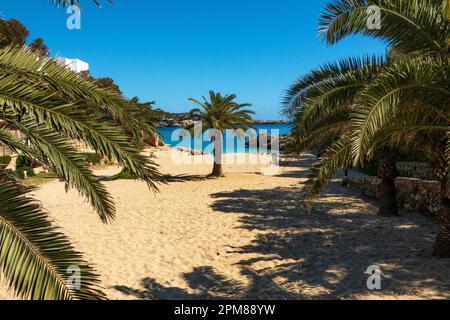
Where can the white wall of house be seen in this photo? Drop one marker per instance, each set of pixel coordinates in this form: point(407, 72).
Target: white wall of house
point(75, 65)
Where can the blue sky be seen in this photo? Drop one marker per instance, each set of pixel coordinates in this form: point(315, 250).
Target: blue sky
point(171, 50)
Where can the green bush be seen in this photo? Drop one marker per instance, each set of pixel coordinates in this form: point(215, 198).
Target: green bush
point(23, 162)
point(125, 175)
point(5, 160)
point(94, 159)
point(20, 172)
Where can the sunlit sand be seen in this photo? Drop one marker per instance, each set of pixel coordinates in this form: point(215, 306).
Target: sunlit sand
point(245, 236)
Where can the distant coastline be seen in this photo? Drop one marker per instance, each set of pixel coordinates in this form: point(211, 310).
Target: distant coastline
point(186, 123)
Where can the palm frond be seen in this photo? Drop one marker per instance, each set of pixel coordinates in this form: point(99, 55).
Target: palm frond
point(404, 81)
point(406, 25)
point(24, 91)
point(222, 113)
point(35, 257)
point(11, 141)
point(69, 166)
point(55, 80)
point(338, 155)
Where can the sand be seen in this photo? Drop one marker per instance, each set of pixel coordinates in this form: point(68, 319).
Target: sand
point(245, 236)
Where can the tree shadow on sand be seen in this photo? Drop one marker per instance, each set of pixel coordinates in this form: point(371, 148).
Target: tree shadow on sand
point(322, 255)
point(325, 254)
point(182, 178)
point(205, 284)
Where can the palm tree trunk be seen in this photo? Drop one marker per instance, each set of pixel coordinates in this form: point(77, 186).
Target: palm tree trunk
point(442, 244)
point(217, 170)
point(218, 157)
point(387, 192)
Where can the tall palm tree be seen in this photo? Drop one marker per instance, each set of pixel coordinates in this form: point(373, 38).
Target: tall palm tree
point(418, 32)
point(50, 105)
point(219, 114)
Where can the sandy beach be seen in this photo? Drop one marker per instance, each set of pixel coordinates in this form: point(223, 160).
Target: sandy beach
point(244, 236)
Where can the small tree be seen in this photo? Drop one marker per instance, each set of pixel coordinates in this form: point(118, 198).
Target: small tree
point(39, 47)
point(220, 114)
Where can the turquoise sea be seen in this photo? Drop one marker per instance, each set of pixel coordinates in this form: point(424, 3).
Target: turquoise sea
point(173, 136)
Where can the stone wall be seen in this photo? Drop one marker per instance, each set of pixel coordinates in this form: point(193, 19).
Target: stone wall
point(417, 170)
point(413, 195)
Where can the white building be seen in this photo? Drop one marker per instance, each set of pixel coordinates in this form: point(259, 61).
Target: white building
point(75, 65)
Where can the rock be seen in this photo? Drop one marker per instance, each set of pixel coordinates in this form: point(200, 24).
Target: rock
point(266, 141)
point(151, 139)
point(196, 153)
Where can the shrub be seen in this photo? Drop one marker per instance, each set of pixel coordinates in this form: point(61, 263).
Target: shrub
point(23, 162)
point(125, 175)
point(20, 172)
point(5, 160)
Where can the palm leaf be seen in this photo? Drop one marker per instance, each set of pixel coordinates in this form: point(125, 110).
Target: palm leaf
point(70, 167)
point(338, 155)
point(34, 256)
point(407, 25)
point(403, 81)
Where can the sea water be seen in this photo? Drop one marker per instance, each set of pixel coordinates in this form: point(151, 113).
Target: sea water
point(232, 144)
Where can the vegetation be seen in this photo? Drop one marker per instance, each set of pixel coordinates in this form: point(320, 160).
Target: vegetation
point(39, 179)
point(219, 114)
point(24, 172)
point(23, 161)
point(363, 109)
point(38, 46)
point(14, 33)
point(5, 160)
point(24, 167)
point(124, 175)
point(52, 105)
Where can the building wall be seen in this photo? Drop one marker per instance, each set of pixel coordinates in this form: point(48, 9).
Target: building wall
point(75, 65)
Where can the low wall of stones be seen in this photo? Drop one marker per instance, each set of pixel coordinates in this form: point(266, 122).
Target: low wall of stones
point(413, 195)
point(418, 170)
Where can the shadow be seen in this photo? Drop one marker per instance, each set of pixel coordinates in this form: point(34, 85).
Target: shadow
point(205, 284)
point(298, 168)
point(182, 178)
point(322, 255)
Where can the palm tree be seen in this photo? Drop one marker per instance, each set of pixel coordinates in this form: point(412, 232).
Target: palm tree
point(148, 115)
point(430, 136)
point(321, 105)
point(418, 32)
point(219, 114)
point(51, 105)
